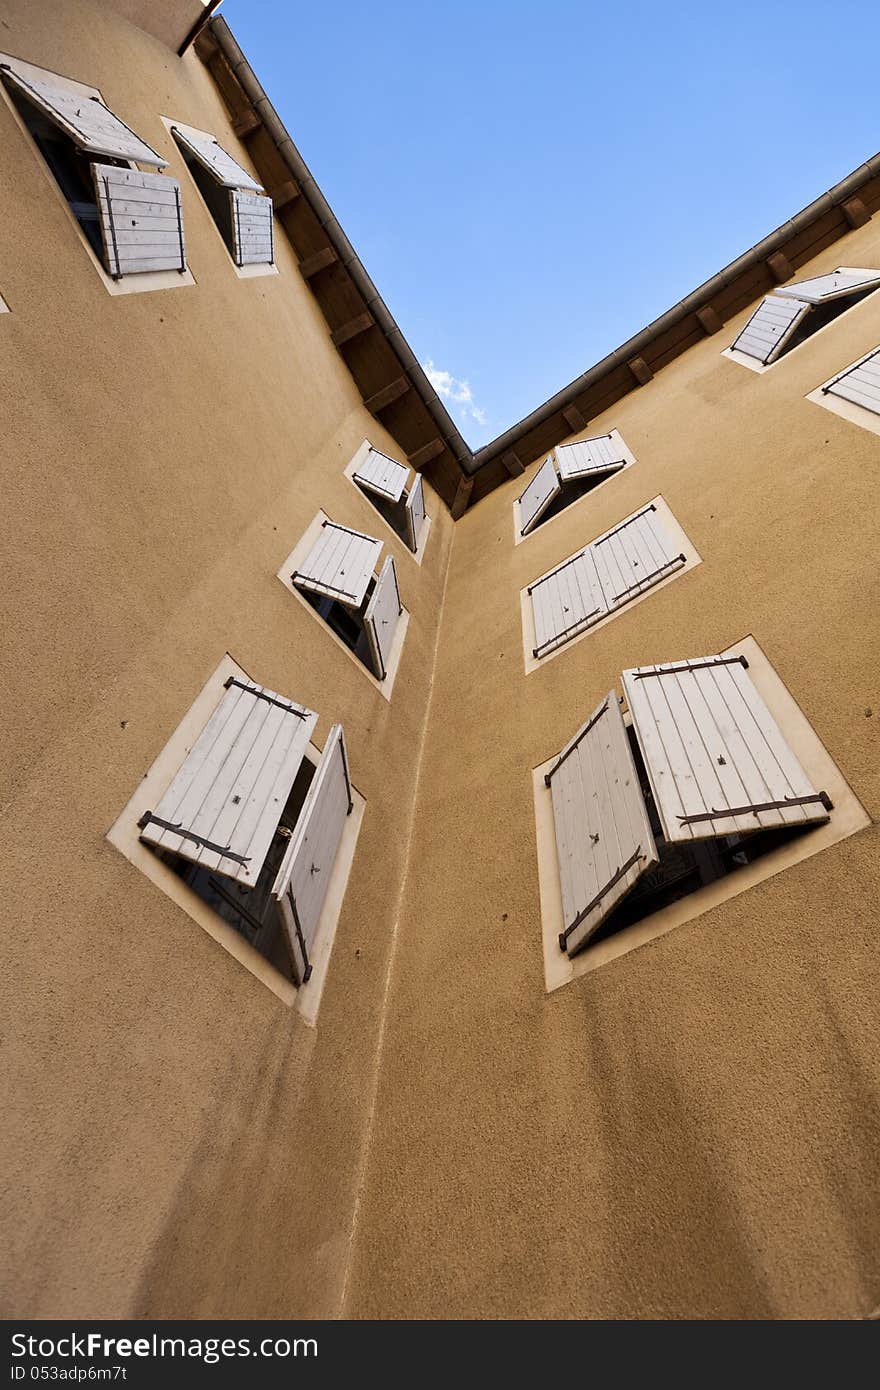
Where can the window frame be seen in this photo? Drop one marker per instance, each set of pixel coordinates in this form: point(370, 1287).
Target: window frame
point(142, 283)
point(541, 526)
point(349, 471)
point(677, 537)
point(296, 556)
point(856, 414)
point(754, 365)
point(124, 835)
point(847, 818)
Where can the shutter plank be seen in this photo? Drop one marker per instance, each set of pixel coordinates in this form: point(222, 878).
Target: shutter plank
point(713, 751)
point(633, 557)
point(382, 475)
point(770, 327)
point(383, 613)
point(232, 786)
point(860, 383)
point(252, 240)
point(588, 457)
point(90, 124)
point(538, 495)
point(130, 248)
point(211, 155)
point(415, 513)
point(603, 835)
point(839, 284)
point(565, 602)
point(340, 565)
point(301, 885)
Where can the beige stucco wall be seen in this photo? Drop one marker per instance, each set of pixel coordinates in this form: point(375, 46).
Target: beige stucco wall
point(175, 1140)
point(691, 1130)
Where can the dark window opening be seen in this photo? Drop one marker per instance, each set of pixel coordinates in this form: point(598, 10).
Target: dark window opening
point(71, 168)
point(392, 512)
point(216, 198)
point(572, 492)
point(252, 911)
point(820, 315)
point(345, 622)
point(684, 868)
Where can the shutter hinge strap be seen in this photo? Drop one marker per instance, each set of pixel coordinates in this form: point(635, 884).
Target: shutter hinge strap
point(585, 912)
point(574, 743)
point(693, 666)
point(759, 806)
point(651, 578)
point(623, 525)
point(261, 695)
point(223, 850)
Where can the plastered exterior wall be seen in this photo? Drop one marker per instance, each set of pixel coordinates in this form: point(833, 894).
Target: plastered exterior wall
point(176, 1141)
point(692, 1129)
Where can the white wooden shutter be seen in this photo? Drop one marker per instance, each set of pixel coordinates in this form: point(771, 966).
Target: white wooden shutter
point(301, 885)
point(383, 476)
point(383, 613)
point(253, 228)
point(633, 556)
point(415, 512)
point(603, 836)
point(339, 565)
point(538, 495)
point(88, 122)
point(212, 156)
point(717, 761)
point(770, 327)
point(224, 804)
point(860, 383)
point(565, 602)
point(840, 283)
point(141, 220)
point(588, 457)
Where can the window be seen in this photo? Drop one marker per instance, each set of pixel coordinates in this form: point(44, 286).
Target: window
point(692, 797)
point(568, 474)
point(251, 827)
point(132, 220)
point(242, 213)
point(795, 312)
point(336, 577)
point(860, 383)
point(384, 482)
point(613, 571)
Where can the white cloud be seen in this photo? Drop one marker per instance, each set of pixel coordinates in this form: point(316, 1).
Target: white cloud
point(456, 393)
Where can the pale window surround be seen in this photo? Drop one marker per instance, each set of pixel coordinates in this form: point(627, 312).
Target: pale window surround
point(762, 342)
point(34, 79)
point(392, 655)
point(236, 183)
point(846, 818)
point(625, 565)
point(604, 456)
point(401, 492)
point(854, 392)
point(126, 836)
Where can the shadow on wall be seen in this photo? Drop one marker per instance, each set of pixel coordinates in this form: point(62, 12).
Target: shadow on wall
point(245, 1194)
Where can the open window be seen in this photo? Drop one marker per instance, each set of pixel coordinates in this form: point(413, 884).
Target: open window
point(337, 578)
point(251, 826)
point(609, 573)
point(566, 475)
point(240, 209)
point(792, 313)
point(386, 483)
point(132, 220)
point(701, 785)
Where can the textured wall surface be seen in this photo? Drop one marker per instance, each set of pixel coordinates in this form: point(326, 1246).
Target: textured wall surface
point(175, 1139)
point(691, 1130)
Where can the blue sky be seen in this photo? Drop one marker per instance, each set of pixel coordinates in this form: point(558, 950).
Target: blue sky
point(530, 183)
